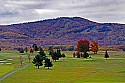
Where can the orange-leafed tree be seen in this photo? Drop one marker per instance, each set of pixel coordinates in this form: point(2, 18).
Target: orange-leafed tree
point(94, 47)
point(83, 46)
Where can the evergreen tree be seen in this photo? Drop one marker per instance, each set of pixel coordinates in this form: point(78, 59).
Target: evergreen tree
point(37, 61)
point(51, 53)
point(48, 63)
point(50, 49)
point(59, 53)
point(85, 55)
point(42, 54)
point(35, 47)
point(26, 49)
point(55, 56)
point(21, 50)
point(106, 55)
point(74, 54)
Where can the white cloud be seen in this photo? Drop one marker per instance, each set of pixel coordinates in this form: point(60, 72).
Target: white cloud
point(15, 11)
point(45, 11)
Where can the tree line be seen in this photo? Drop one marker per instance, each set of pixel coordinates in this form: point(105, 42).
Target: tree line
point(83, 47)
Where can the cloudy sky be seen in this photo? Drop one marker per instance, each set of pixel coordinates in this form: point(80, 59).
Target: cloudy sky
point(19, 11)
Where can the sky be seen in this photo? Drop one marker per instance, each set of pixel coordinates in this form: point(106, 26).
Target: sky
point(102, 11)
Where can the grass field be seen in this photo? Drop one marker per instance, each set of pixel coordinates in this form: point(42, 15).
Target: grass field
point(71, 70)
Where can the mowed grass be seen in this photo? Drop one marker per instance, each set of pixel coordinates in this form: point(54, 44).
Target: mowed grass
point(6, 68)
point(70, 70)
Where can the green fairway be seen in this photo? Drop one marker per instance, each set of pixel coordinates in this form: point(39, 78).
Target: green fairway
point(70, 70)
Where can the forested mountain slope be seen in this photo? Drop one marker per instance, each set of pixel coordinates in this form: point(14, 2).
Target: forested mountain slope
point(63, 30)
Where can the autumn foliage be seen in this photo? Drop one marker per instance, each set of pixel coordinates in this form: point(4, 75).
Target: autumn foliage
point(94, 47)
point(83, 46)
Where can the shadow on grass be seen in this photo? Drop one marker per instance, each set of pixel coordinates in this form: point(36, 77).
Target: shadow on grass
point(121, 72)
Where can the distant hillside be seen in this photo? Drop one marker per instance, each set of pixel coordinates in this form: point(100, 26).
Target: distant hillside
point(61, 31)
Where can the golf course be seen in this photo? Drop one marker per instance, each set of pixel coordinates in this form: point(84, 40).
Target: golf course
point(65, 70)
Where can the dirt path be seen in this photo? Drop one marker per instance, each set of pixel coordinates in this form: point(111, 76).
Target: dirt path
point(26, 65)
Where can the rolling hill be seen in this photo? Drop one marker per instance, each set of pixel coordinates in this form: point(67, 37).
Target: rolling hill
point(61, 31)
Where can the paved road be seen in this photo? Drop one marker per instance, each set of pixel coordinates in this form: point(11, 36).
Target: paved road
point(26, 65)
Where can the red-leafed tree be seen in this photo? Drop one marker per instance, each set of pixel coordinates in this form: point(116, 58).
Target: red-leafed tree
point(94, 47)
point(83, 46)
point(19, 49)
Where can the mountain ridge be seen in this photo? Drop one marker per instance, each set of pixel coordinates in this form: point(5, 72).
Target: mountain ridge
point(63, 30)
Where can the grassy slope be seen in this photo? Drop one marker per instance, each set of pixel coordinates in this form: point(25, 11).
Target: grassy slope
point(72, 70)
point(6, 68)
